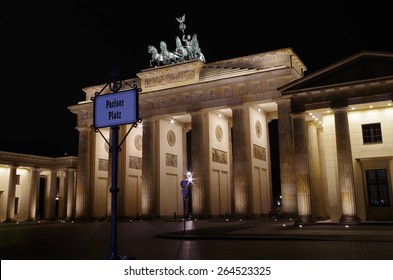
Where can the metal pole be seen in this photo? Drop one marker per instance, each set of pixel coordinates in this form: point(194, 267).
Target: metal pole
point(114, 190)
point(184, 214)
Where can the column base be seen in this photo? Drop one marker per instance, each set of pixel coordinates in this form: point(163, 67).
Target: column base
point(82, 219)
point(289, 215)
point(305, 220)
point(349, 219)
point(9, 221)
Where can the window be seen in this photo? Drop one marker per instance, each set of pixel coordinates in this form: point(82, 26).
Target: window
point(377, 188)
point(16, 205)
point(372, 133)
point(17, 179)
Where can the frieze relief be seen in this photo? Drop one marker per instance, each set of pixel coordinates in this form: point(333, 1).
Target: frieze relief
point(219, 156)
point(228, 93)
point(259, 152)
point(102, 164)
point(135, 162)
point(170, 160)
point(214, 94)
point(259, 61)
point(197, 97)
point(172, 101)
point(170, 78)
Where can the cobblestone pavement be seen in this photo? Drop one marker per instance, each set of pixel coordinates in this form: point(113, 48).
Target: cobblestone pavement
point(254, 239)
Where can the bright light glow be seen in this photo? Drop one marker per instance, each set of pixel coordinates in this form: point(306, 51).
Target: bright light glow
point(172, 121)
point(189, 176)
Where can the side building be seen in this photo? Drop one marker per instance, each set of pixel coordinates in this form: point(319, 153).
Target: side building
point(34, 188)
point(336, 141)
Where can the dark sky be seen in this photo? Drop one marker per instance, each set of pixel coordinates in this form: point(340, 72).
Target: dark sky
point(51, 50)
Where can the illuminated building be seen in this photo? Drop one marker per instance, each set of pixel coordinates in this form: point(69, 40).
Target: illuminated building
point(335, 139)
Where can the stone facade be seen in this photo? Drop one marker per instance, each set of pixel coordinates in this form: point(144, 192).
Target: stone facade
point(209, 119)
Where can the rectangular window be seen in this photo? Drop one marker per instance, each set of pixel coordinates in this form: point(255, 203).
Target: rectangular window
point(377, 188)
point(17, 179)
point(372, 133)
point(16, 205)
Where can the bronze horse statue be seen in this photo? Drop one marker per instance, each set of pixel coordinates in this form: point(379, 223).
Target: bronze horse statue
point(191, 51)
point(156, 57)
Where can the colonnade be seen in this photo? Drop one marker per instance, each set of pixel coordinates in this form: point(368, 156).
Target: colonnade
point(303, 168)
point(33, 193)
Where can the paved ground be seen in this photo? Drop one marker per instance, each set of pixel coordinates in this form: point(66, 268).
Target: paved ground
point(253, 239)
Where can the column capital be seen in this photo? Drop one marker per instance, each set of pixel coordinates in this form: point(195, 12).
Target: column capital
point(198, 112)
point(283, 101)
point(339, 104)
point(239, 107)
point(84, 128)
point(298, 115)
point(313, 122)
point(340, 109)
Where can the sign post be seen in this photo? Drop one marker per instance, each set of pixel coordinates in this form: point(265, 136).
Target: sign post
point(114, 191)
point(116, 108)
point(112, 110)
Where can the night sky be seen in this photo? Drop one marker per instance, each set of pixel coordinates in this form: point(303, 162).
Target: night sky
point(50, 51)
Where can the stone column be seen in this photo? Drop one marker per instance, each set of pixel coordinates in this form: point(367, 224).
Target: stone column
point(316, 186)
point(150, 174)
point(199, 163)
point(230, 162)
point(287, 159)
point(70, 184)
point(302, 171)
point(10, 214)
point(242, 176)
point(345, 167)
point(83, 174)
point(61, 196)
point(51, 198)
point(322, 160)
point(33, 194)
